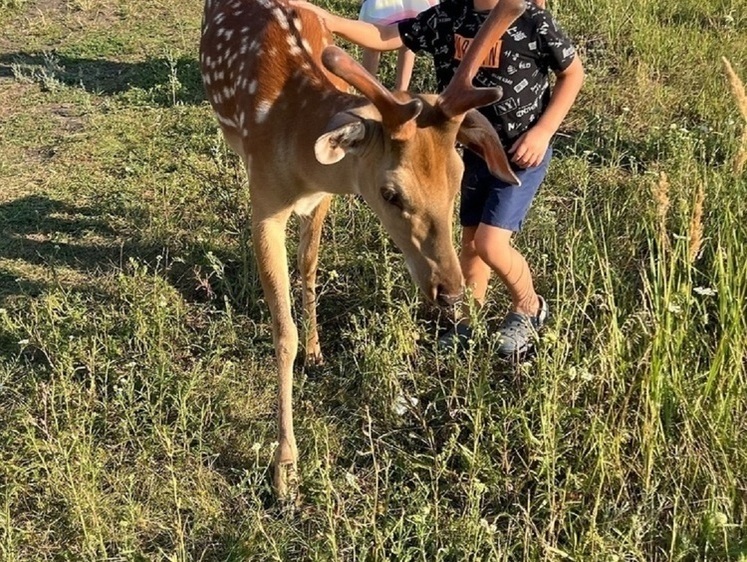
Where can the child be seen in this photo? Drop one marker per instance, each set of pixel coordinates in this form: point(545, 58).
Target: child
point(386, 12)
point(526, 119)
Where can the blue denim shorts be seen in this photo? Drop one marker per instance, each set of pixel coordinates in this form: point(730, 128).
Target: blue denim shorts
point(486, 199)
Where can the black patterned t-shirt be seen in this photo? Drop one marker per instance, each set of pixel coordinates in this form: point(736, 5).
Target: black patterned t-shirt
point(519, 62)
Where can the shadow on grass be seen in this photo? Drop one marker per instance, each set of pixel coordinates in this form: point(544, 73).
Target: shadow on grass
point(36, 231)
point(47, 244)
point(168, 80)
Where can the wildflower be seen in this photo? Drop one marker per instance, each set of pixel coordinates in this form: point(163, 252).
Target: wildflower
point(402, 403)
point(351, 480)
point(705, 291)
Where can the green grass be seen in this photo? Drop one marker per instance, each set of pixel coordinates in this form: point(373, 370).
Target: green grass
point(137, 390)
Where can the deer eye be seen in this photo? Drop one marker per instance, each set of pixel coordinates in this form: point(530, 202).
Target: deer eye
point(392, 196)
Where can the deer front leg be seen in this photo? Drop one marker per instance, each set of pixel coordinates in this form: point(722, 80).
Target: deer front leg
point(308, 260)
point(268, 236)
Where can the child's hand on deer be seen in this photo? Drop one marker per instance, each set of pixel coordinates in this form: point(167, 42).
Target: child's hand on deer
point(323, 14)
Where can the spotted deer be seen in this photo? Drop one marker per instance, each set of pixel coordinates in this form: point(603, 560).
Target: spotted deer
point(280, 91)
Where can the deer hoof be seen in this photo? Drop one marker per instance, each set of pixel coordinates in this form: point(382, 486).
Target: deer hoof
point(314, 359)
point(286, 482)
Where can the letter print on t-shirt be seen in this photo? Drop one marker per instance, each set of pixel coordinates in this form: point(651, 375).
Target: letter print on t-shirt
point(520, 62)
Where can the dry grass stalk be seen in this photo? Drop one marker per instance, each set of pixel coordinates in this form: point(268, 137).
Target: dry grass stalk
point(661, 197)
point(696, 225)
point(737, 88)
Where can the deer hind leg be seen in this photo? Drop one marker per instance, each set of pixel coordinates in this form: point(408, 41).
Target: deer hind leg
point(308, 260)
point(268, 235)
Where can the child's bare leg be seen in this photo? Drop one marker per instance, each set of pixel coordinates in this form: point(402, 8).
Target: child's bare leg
point(476, 272)
point(493, 245)
point(405, 64)
point(371, 60)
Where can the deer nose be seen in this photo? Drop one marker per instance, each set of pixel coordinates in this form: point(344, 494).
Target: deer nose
point(447, 300)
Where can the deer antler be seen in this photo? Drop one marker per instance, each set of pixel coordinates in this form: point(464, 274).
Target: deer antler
point(394, 113)
point(460, 96)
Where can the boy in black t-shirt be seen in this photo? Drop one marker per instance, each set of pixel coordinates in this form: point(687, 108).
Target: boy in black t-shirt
point(526, 118)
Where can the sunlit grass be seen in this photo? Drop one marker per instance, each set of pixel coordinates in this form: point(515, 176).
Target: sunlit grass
point(137, 390)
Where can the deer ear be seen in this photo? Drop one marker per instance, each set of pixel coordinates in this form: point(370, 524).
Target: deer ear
point(477, 134)
point(345, 132)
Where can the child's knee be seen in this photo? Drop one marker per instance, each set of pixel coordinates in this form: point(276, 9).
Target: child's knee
point(489, 241)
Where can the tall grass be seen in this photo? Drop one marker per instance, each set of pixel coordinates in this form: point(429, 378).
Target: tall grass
point(137, 385)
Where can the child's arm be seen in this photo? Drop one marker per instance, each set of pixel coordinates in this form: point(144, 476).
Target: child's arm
point(377, 37)
point(530, 148)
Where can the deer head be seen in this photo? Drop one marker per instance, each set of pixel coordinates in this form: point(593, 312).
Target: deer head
point(409, 168)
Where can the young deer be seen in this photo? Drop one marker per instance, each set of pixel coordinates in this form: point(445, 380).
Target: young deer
point(280, 93)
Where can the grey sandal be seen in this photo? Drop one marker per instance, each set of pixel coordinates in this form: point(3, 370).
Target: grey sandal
point(458, 337)
point(519, 331)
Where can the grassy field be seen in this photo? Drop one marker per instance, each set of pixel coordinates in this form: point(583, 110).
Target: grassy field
point(137, 394)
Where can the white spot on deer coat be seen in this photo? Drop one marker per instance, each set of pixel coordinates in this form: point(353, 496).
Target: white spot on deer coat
point(226, 121)
point(262, 111)
point(280, 16)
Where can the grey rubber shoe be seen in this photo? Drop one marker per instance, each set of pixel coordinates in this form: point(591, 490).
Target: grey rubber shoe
point(519, 331)
point(458, 337)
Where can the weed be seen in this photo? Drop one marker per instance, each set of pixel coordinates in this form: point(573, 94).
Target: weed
point(137, 377)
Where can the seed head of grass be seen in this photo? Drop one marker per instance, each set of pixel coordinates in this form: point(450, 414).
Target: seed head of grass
point(660, 191)
point(737, 88)
point(696, 225)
